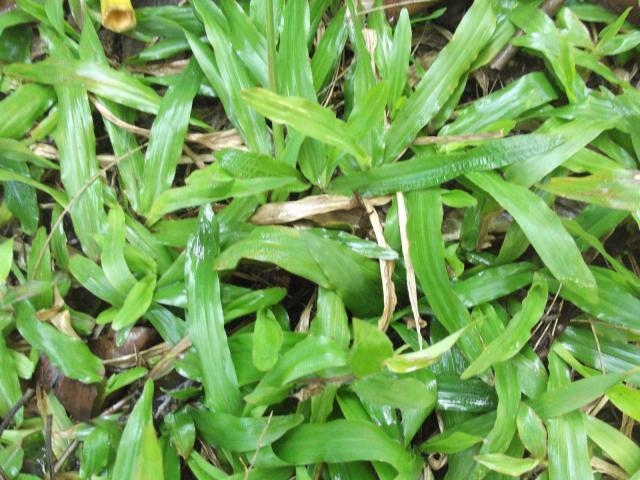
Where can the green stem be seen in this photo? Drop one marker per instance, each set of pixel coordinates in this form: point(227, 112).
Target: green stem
point(278, 134)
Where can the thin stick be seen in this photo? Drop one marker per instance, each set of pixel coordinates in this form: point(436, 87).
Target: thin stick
point(49, 451)
point(3, 474)
point(411, 274)
point(11, 413)
point(471, 137)
point(65, 455)
point(258, 446)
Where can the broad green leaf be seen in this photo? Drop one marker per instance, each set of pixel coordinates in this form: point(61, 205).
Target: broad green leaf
point(567, 453)
point(20, 198)
point(431, 169)
point(112, 258)
point(267, 340)
point(328, 49)
point(11, 459)
point(331, 318)
point(529, 91)
point(69, 354)
point(242, 434)
point(576, 134)
point(205, 321)
point(10, 176)
point(66, 73)
point(324, 261)
point(227, 75)
point(120, 380)
point(619, 189)
point(511, 466)
point(21, 109)
point(613, 356)
point(424, 227)
point(397, 392)
point(614, 304)
point(247, 41)
point(310, 356)
point(10, 391)
point(139, 456)
point(506, 345)
point(167, 135)
point(409, 362)
point(43, 272)
point(462, 436)
point(557, 402)
point(508, 390)
point(92, 277)
point(617, 446)
point(135, 304)
point(440, 81)
point(182, 431)
point(342, 441)
point(6, 259)
point(531, 431)
point(308, 118)
point(79, 167)
point(371, 348)
point(543, 229)
point(399, 59)
point(98, 449)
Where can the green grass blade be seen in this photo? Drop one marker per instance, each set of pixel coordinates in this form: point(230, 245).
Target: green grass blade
point(431, 169)
point(306, 117)
point(205, 321)
point(568, 453)
point(70, 355)
point(20, 110)
point(247, 41)
point(506, 345)
point(227, 66)
point(267, 340)
point(167, 135)
point(619, 189)
point(529, 91)
point(328, 50)
point(441, 79)
point(135, 304)
point(542, 227)
point(115, 85)
point(113, 263)
point(10, 391)
point(323, 261)
point(76, 143)
point(342, 441)
point(399, 59)
point(614, 443)
point(424, 226)
point(242, 434)
point(139, 455)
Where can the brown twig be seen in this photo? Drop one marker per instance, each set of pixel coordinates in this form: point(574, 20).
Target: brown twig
point(11, 413)
point(47, 445)
point(471, 137)
point(65, 455)
point(550, 7)
point(3, 474)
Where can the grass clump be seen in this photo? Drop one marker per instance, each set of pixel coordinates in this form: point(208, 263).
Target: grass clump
point(276, 239)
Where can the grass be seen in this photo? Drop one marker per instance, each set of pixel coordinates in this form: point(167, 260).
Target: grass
point(290, 239)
